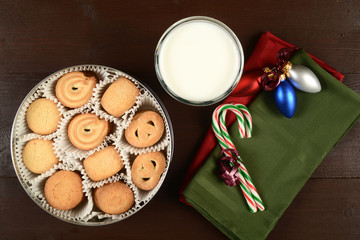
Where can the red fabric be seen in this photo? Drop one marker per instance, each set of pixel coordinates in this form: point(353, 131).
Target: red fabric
point(263, 55)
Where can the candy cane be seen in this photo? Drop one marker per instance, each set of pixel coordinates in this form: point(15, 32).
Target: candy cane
point(245, 128)
point(226, 143)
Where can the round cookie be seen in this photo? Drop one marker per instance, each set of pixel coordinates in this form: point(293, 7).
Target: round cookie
point(38, 155)
point(114, 198)
point(147, 169)
point(63, 190)
point(119, 97)
point(103, 164)
point(87, 131)
point(145, 129)
point(42, 116)
point(74, 89)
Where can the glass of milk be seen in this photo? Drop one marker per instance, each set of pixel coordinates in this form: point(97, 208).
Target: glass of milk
point(199, 60)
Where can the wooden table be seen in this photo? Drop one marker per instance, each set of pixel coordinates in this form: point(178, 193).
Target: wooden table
point(41, 37)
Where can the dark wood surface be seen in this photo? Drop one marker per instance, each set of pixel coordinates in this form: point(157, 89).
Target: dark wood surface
point(41, 37)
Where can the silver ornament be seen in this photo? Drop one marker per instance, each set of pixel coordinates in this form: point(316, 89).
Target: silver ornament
point(303, 79)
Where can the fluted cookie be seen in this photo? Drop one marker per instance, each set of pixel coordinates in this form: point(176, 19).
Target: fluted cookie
point(42, 116)
point(87, 131)
point(74, 89)
point(119, 97)
point(38, 155)
point(103, 164)
point(145, 129)
point(63, 190)
point(147, 169)
point(114, 198)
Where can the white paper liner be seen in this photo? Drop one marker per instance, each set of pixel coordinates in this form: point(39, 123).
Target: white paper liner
point(80, 211)
point(148, 102)
point(68, 160)
point(123, 173)
point(145, 196)
point(22, 129)
point(128, 213)
point(127, 163)
point(63, 144)
point(49, 84)
point(25, 173)
point(71, 158)
point(100, 90)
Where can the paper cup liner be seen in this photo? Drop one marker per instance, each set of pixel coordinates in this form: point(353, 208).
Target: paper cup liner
point(123, 173)
point(71, 158)
point(146, 196)
point(147, 102)
point(77, 213)
point(102, 86)
point(26, 174)
point(64, 144)
point(48, 86)
point(22, 128)
point(128, 213)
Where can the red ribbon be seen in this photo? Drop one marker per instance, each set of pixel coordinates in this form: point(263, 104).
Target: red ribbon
point(271, 77)
point(229, 167)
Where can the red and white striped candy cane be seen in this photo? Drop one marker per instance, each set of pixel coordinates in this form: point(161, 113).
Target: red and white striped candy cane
point(245, 128)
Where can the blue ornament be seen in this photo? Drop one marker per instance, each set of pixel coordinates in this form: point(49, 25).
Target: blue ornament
point(285, 99)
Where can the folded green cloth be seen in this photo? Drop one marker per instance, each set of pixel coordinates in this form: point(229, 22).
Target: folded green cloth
point(280, 157)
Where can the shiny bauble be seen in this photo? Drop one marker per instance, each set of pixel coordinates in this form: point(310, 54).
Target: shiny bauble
point(285, 99)
point(303, 79)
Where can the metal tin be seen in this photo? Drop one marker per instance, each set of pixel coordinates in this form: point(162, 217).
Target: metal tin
point(26, 185)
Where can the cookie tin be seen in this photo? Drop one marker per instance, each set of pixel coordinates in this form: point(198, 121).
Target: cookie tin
point(71, 158)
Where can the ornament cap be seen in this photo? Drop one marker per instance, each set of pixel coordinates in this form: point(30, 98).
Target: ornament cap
point(286, 67)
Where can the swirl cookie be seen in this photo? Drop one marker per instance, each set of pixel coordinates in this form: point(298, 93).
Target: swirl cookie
point(103, 164)
point(63, 190)
point(145, 129)
point(87, 131)
point(42, 116)
point(114, 198)
point(38, 155)
point(74, 89)
point(147, 169)
point(119, 97)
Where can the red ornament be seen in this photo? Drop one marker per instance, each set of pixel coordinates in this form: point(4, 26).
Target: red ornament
point(248, 84)
point(270, 79)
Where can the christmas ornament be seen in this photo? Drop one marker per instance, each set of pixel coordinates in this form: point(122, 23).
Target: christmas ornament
point(233, 170)
point(303, 79)
point(285, 99)
point(283, 78)
point(270, 79)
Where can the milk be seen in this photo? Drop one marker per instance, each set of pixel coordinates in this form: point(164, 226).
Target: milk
point(199, 61)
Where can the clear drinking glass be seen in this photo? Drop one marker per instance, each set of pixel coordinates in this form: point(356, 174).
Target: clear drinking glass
point(238, 68)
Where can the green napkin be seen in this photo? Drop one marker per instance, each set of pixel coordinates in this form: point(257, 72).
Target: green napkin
point(280, 157)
